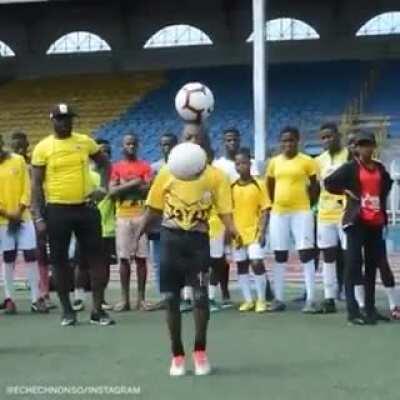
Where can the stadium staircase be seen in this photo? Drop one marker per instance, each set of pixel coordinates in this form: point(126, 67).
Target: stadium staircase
point(98, 99)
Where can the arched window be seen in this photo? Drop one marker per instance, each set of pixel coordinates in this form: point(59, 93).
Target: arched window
point(5, 51)
point(178, 35)
point(78, 42)
point(383, 24)
point(281, 29)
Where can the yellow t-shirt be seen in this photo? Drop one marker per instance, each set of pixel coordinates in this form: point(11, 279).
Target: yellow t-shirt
point(14, 186)
point(249, 200)
point(292, 178)
point(330, 206)
point(187, 204)
point(67, 178)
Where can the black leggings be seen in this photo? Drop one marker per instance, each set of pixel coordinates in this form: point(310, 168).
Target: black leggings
point(363, 246)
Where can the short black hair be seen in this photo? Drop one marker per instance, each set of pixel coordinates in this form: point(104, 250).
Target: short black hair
point(244, 151)
point(19, 135)
point(131, 133)
point(331, 126)
point(171, 135)
point(102, 141)
point(231, 130)
point(290, 129)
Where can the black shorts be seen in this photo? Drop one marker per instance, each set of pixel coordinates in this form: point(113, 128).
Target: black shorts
point(184, 256)
point(84, 221)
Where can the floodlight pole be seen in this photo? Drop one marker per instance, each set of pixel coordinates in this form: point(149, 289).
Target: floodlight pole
point(259, 80)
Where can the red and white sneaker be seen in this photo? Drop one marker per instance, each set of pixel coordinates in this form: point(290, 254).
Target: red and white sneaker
point(395, 313)
point(177, 366)
point(201, 363)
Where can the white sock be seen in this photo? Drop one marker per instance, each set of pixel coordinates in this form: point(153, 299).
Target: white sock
point(244, 283)
point(329, 278)
point(261, 284)
point(33, 279)
point(79, 294)
point(309, 278)
point(359, 295)
point(212, 292)
point(391, 293)
point(8, 274)
point(279, 280)
point(187, 293)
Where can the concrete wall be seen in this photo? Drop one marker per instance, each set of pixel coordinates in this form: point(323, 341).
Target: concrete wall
point(30, 29)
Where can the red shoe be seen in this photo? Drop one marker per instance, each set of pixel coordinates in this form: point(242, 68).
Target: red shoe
point(201, 363)
point(177, 366)
point(9, 307)
point(395, 313)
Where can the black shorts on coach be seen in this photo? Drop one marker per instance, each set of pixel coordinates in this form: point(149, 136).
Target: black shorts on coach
point(184, 256)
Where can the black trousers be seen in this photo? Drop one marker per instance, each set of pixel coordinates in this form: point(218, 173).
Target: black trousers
point(364, 246)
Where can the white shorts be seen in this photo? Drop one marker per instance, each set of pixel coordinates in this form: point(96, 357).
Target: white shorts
point(330, 235)
point(218, 249)
point(296, 225)
point(23, 239)
point(251, 252)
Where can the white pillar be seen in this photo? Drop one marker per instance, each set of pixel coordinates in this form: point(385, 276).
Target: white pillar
point(259, 80)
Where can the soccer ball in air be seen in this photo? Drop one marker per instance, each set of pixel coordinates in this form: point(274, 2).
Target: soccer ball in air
point(194, 102)
point(186, 161)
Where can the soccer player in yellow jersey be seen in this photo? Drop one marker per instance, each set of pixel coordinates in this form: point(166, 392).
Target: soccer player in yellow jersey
point(292, 187)
point(330, 234)
point(16, 228)
point(185, 251)
point(62, 206)
point(251, 206)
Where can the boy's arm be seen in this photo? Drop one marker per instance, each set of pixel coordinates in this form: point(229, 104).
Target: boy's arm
point(263, 225)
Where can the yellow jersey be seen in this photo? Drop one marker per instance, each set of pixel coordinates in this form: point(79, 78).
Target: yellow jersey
point(187, 205)
point(67, 178)
point(330, 206)
point(249, 201)
point(14, 186)
point(292, 177)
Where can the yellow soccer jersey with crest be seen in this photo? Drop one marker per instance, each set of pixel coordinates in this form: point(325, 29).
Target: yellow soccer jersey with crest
point(67, 179)
point(292, 177)
point(187, 205)
point(14, 186)
point(249, 201)
point(330, 206)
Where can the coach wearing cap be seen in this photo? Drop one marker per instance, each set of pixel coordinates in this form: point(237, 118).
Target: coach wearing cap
point(61, 199)
point(366, 184)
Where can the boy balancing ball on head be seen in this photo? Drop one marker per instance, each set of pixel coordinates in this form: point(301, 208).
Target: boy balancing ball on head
point(251, 206)
point(183, 194)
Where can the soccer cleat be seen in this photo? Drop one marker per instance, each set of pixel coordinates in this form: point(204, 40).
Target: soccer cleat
point(277, 306)
point(201, 363)
point(310, 308)
point(357, 320)
point(261, 306)
point(9, 307)
point(247, 306)
point(378, 317)
point(68, 319)
point(226, 304)
point(395, 313)
point(39, 306)
point(121, 307)
point(328, 306)
point(106, 307)
point(101, 318)
point(177, 367)
point(78, 305)
point(186, 306)
point(214, 306)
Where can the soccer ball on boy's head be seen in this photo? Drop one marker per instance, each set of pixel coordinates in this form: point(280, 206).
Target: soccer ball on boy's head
point(194, 102)
point(187, 161)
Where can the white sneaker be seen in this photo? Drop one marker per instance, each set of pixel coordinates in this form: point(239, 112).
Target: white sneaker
point(177, 366)
point(201, 363)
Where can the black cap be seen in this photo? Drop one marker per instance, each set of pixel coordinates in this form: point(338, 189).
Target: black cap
point(60, 110)
point(365, 137)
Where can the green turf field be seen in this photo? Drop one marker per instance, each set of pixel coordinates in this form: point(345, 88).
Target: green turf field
point(279, 356)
